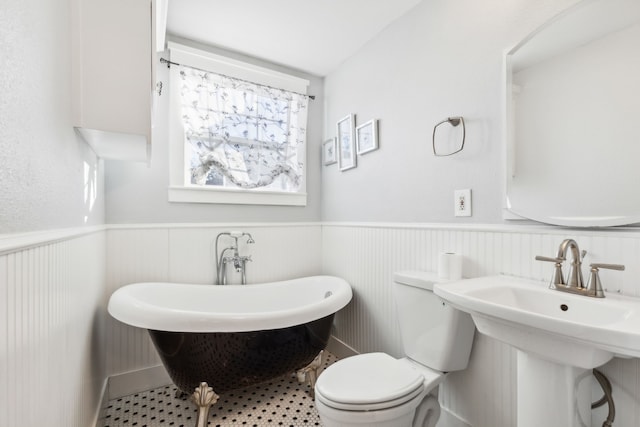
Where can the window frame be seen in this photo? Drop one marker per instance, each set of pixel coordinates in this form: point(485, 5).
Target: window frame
point(180, 190)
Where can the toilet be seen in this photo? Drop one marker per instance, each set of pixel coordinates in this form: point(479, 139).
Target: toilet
point(378, 390)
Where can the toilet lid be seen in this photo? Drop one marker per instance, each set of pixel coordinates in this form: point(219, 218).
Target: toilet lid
point(369, 379)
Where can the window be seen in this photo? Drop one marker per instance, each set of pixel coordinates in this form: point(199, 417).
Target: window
point(238, 132)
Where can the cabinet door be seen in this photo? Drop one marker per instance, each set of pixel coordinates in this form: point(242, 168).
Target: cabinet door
point(113, 75)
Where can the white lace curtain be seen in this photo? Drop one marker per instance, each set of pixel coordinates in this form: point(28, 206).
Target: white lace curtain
point(242, 134)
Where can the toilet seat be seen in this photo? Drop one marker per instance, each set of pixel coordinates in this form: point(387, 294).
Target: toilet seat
point(369, 382)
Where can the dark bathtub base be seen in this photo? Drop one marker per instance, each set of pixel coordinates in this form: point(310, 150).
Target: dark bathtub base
point(230, 360)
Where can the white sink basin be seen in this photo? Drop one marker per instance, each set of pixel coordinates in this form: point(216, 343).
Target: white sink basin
point(573, 330)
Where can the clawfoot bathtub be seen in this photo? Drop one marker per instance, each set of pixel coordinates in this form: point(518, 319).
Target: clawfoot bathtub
point(235, 335)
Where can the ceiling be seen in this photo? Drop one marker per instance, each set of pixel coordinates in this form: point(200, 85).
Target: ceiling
point(314, 36)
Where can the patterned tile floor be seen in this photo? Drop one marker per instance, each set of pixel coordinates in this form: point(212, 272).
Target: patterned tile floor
point(280, 402)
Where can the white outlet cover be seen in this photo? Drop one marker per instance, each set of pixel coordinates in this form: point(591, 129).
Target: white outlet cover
point(462, 202)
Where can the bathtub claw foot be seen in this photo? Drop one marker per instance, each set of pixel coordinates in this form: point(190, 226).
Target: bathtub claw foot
point(204, 397)
point(310, 373)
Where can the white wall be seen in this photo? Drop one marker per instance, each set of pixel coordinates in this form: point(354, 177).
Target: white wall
point(42, 160)
point(137, 193)
point(52, 354)
point(443, 58)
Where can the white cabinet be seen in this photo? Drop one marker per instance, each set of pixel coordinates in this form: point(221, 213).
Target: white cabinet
point(112, 75)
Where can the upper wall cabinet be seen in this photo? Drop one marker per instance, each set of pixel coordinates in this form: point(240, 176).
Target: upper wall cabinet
point(114, 44)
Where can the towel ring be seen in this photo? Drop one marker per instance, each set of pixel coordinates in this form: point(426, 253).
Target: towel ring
point(453, 121)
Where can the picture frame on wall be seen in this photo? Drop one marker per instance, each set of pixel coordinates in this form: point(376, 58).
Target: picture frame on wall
point(346, 143)
point(367, 136)
point(329, 155)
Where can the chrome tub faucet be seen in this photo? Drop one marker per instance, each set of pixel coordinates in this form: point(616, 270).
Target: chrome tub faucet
point(239, 262)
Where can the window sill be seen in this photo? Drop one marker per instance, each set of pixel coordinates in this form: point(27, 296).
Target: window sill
point(235, 197)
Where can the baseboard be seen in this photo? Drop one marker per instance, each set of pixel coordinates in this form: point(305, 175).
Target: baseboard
point(450, 419)
point(340, 349)
point(137, 381)
point(104, 400)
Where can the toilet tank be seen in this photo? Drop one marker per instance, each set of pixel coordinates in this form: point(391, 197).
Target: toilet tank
point(433, 333)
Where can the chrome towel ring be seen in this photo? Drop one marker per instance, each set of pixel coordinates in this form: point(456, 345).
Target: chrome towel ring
point(453, 121)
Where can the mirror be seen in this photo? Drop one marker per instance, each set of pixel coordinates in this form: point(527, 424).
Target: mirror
point(573, 118)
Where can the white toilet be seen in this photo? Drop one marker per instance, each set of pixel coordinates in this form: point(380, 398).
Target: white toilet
point(377, 390)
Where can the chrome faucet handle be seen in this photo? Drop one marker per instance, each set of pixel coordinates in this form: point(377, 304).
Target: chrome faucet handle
point(594, 287)
point(549, 259)
point(558, 278)
point(618, 267)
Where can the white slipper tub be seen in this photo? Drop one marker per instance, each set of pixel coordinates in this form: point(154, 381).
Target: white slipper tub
point(234, 335)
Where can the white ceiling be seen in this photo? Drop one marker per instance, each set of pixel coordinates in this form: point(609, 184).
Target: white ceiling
point(315, 36)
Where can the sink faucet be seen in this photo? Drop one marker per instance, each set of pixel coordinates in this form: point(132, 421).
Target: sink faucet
point(575, 281)
point(239, 262)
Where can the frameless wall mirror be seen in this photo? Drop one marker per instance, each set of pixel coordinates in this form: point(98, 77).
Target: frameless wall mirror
point(573, 118)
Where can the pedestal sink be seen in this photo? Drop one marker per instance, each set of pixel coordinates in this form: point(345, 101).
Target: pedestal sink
point(560, 337)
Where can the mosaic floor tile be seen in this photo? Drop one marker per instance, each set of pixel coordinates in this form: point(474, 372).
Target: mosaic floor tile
point(280, 402)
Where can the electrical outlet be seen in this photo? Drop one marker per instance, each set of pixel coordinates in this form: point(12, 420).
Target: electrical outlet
point(462, 202)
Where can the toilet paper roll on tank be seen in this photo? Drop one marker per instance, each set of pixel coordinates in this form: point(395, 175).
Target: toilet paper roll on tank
point(449, 266)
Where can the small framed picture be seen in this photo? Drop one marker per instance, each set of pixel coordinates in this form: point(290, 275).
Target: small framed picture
point(346, 143)
point(367, 136)
point(329, 155)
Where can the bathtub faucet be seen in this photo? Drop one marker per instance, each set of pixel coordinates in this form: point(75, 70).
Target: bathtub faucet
point(239, 262)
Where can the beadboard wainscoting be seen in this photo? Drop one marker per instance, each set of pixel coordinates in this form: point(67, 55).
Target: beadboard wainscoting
point(59, 340)
point(52, 312)
point(185, 253)
point(485, 394)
